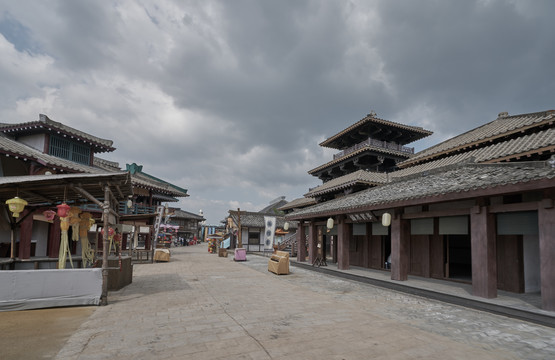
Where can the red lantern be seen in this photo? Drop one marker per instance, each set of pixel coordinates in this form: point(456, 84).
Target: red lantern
point(63, 210)
point(49, 215)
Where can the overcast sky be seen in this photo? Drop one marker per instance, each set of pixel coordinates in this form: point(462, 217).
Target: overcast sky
point(229, 99)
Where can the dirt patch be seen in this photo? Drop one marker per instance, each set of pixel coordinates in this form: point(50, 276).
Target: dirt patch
point(41, 333)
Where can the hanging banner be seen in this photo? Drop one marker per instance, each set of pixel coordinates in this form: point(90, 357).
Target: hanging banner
point(269, 232)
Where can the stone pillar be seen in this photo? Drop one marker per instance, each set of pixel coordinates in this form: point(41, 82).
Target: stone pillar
point(546, 223)
point(301, 242)
point(312, 242)
point(483, 250)
point(400, 243)
point(343, 237)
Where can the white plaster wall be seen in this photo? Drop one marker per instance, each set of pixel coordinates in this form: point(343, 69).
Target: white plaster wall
point(40, 234)
point(531, 249)
point(35, 141)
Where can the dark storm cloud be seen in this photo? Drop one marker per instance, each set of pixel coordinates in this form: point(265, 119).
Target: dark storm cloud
point(469, 59)
point(230, 99)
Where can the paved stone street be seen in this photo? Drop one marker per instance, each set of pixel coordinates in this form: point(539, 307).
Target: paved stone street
point(201, 306)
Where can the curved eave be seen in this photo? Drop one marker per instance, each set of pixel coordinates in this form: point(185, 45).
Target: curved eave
point(358, 152)
point(482, 136)
point(458, 182)
point(422, 133)
point(46, 125)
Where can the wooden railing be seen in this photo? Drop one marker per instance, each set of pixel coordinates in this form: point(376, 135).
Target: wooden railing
point(290, 240)
point(377, 143)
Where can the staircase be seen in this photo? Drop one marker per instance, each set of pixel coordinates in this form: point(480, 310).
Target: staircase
point(289, 244)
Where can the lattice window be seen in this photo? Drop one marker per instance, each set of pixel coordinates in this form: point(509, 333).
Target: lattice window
point(69, 150)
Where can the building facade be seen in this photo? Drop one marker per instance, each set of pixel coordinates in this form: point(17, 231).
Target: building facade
point(477, 208)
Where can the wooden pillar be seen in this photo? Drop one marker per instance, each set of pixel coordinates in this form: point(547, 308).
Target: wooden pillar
point(54, 238)
point(546, 223)
point(239, 230)
point(343, 237)
point(301, 242)
point(400, 242)
point(483, 250)
point(105, 246)
point(25, 233)
point(312, 242)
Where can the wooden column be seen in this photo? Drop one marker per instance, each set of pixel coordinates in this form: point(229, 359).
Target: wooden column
point(312, 242)
point(546, 223)
point(343, 237)
point(301, 241)
point(105, 246)
point(400, 241)
point(483, 250)
point(54, 238)
point(25, 233)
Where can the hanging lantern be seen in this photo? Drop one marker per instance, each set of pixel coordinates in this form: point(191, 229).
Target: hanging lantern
point(329, 224)
point(49, 215)
point(63, 210)
point(386, 219)
point(286, 226)
point(110, 232)
point(16, 205)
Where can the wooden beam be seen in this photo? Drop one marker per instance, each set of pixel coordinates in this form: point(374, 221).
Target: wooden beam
point(35, 195)
point(83, 192)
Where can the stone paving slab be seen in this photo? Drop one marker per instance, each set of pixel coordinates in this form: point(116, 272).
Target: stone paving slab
point(201, 306)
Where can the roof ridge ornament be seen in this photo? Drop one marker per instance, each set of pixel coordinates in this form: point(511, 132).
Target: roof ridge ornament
point(502, 115)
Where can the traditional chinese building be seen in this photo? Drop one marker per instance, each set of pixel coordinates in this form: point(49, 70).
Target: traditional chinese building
point(477, 208)
point(49, 148)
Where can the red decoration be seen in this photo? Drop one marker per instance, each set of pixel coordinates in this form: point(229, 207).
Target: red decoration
point(110, 232)
point(49, 215)
point(63, 210)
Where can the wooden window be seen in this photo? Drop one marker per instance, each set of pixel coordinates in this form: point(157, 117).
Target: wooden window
point(69, 150)
point(254, 238)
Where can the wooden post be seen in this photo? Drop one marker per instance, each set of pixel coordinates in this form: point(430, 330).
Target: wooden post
point(483, 249)
point(546, 223)
point(301, 242)
point(343, 238)
point(105, 247)
point(400, 243)
point(239, 231)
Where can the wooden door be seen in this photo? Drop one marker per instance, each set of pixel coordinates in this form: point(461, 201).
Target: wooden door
point(510, 264)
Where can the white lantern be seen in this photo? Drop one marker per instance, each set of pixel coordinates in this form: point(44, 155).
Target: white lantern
point(329, 225)
point(286, 226)
point(386, 219)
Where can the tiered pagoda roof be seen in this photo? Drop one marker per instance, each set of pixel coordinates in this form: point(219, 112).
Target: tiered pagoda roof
point(371, 144)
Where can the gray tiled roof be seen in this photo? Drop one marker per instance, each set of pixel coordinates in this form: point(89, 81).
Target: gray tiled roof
point(45, 124)
point(376, 149)
point(181, 214)
point(14, 148)
point(256, 220)
point(106, 164)
point(485, 133)
point(141, 180)
point(358, 177)
point(513, 147)
point(298, 203)
point(461, 179)
point(371, 118)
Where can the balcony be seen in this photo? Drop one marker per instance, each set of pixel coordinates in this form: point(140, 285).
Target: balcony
point(376, 143)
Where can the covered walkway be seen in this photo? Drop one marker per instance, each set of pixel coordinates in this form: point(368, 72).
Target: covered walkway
point(521, 306)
